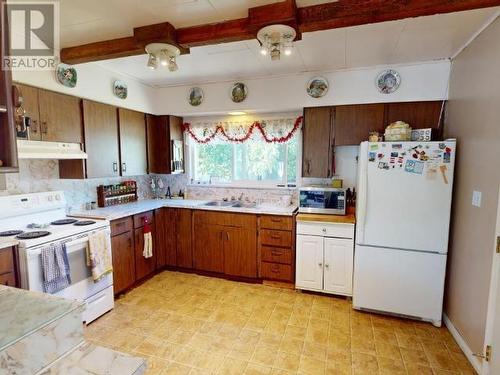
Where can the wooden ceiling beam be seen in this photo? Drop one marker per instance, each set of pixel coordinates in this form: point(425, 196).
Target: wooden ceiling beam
point(346, 13)
point(343, 13)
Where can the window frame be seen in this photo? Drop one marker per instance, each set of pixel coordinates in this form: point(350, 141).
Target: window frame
point(284, 184)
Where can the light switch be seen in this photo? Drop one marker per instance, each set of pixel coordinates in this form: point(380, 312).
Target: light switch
point(476, 198)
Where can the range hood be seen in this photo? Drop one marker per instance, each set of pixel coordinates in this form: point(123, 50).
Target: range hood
point(49, 150)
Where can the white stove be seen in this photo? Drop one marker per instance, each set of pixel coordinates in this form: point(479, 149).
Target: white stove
point(38, 220)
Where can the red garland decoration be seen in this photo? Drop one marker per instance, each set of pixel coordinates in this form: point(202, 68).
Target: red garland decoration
point(219, 129)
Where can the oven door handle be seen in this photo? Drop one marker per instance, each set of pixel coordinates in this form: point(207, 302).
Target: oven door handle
point(69, 243)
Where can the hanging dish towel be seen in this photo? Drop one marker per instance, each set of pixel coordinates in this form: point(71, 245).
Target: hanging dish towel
point(99, 254)
point(55, 268)
point(147, 252)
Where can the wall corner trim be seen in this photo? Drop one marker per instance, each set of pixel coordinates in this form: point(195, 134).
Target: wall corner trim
point(475, 362)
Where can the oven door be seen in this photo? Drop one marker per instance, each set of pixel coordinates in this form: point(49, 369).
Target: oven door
point(82, 285)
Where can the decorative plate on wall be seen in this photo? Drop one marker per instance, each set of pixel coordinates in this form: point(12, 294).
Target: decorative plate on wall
point(317, 87)
point(388, 81)
point(120, 89)
point(239, 92)
point(66, 75)
point(195, 96)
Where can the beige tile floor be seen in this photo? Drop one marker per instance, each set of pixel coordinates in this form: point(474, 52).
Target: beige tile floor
point(189, 324)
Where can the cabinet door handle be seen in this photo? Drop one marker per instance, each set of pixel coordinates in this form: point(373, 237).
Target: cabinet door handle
point(327, 265)
point(34, 126)
point(275, 268)
point(308, 167)
point(115, 166)
point(276, 237)
point(44, 128)
point(320, 264)
point(124, 167)
point(276, 253)
point(276, 220)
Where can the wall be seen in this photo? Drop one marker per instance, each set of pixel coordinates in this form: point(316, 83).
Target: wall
point(426, 81)
point(473, 118)
point(96, 83)
point(43, 175)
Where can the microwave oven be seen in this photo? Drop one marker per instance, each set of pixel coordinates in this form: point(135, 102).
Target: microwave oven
point(322, 200)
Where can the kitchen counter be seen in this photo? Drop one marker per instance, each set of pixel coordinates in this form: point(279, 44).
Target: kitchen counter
point(129, 209)
point(23, 312)
point(349, 218)
point(8, 242)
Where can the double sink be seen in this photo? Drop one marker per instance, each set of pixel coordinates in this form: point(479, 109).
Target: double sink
point(234, 204)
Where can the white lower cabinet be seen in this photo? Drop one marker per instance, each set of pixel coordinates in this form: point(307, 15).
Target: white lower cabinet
point(309, 262)
point(324, 263)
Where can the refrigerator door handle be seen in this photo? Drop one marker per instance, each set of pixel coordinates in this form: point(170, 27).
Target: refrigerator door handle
point(361, 199)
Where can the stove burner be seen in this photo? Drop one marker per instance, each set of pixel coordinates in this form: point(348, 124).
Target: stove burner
point(64, 222)
point(8, 233)
point(31, 235)
point(84, 222)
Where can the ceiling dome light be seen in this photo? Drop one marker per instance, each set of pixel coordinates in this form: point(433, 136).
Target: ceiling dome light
point(275, 39)
point(162, 54)
point(152, 62)
point(172, 65)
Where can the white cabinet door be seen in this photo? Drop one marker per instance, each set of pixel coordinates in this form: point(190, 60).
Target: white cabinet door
point(309, 262)
point(338, 265)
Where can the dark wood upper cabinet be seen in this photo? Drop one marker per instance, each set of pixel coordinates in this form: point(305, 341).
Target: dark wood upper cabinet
point(132, 142)
point(54, 117)
point(101, 139)
point(8, 145)
point(164, 134)
point(317, 142)
point(30, 105)
point(418, 114)
point(158, 136)
point(353, 123)
point(60, 117)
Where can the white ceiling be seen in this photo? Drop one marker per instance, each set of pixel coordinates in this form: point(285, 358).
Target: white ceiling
point(86, 21)
point(397, 42)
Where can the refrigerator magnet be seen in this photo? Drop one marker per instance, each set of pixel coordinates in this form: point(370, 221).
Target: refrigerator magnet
point(447, 157)
point(380, 156)
point(442, 146)
point(414, 166)
point(372, 156)
point(383, 165)
point(397, 146)
point(374, 147)
point(394, 154)
point(431, 173)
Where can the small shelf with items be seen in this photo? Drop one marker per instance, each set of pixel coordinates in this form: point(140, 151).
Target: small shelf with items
point(111, 195)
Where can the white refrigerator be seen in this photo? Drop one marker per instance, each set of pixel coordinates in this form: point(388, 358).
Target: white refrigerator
point(403, 215)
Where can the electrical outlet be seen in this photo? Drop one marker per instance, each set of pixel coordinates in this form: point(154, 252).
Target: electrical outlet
point(476, 198)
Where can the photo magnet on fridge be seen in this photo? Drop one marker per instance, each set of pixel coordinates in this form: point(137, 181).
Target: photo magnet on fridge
point(397, 146)
point(383, 165)
point(447, 157)
point(414, 166)
point(374, 147)
point(394, 154)
point(372, 156)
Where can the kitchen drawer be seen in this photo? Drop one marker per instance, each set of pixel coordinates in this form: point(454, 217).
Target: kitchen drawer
point(8, 279)
point(6, 260)
point(277, 255)
point(140, 218)
point(276, 271)
point(120, 226)
point(276, 222)
point(276, 237)
point(326, 229)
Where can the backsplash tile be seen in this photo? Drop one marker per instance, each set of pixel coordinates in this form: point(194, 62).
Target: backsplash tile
point(253, 194)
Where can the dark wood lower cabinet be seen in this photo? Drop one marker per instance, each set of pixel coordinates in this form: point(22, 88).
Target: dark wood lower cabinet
point(123, 261)
point(143, 266)
point(183, 238)
point(240, 252)
point(8, 266)
point(219, 243)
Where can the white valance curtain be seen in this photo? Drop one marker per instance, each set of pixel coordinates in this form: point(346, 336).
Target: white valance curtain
point(241, 129)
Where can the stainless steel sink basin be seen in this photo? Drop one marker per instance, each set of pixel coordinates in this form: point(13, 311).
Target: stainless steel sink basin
point(219, 204)
point(245, 205)
point(234, 204)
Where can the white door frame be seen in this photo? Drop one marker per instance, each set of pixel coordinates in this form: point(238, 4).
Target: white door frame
point(492, 299)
